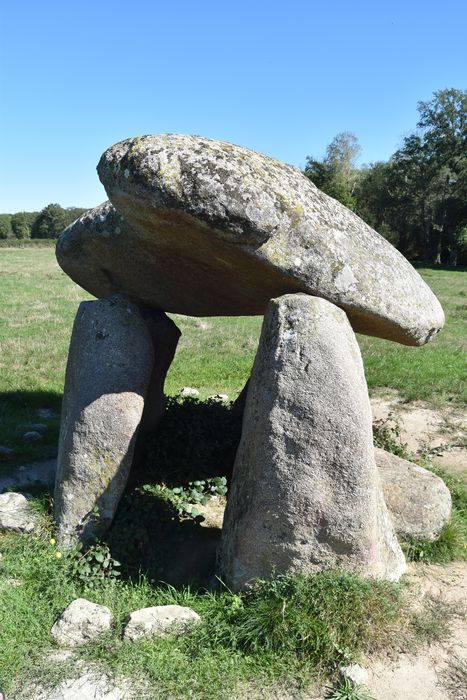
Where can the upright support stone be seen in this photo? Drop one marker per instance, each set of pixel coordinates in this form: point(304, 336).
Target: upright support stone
point(108, 373)
point(305, 493)
point(165, 336)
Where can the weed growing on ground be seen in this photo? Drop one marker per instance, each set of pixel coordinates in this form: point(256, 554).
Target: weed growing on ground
point(185, 498)
point(196, 440)
point(346, 689)
point(387, 436)
point(94, 565)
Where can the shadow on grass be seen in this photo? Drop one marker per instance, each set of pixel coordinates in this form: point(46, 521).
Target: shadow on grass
point(195, 440)
point(20, 411)
point(443, 268)
point(148, 537)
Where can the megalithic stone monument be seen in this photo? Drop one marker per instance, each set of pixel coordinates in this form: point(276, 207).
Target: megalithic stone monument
point(201, 227)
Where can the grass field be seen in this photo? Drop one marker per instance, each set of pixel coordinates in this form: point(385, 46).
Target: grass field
point(284, 632)
point(38, 303)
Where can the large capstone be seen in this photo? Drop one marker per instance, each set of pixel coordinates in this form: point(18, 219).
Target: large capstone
point(108, 374)
point(203, 227)
point(305, 493)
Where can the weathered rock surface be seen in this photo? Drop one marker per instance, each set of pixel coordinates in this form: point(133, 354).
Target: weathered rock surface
point(160, 620)
point(80, 622)
point(305, 491)
point(16, 513)
point(108, 374)
point(32, 436)
point(34, 474)
point(189, 392)
point(165, 336)
point(209, 228)
point(355, 673)
point(88, 686)
point(419, 501)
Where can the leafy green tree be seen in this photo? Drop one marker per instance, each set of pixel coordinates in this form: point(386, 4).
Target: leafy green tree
point(374, 201)
point(429, 178)
point(50, 221)
point(337, 174)
point(5, 226)
point(73, 213)
point(21, 224)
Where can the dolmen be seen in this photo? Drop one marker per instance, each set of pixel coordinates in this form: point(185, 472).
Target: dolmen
point(205, 228)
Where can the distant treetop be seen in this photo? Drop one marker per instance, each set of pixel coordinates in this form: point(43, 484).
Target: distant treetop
point(47, 223)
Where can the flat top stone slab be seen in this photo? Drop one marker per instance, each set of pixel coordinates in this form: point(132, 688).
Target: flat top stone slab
point(203, 228)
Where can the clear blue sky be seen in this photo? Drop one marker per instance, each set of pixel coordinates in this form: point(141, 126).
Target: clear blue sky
point(279, 77)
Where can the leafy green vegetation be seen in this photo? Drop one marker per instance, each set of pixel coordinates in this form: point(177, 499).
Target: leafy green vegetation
point(286, 630)
point(417, 199)
point(45, 224)
point(195, 440)
point(345, 689)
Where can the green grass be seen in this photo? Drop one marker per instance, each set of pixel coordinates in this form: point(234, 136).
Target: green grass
point(283, 632)
point(345, 689)
point(38, 303)
point(286, 631)
point(436, 372)
point(27, 243)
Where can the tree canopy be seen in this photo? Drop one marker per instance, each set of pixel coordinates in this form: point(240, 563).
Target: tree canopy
point(418, 199)
point(336, 174)
point(48, 223)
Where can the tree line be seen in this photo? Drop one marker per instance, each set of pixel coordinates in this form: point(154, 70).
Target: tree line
point(47, 223)
point(418, 198)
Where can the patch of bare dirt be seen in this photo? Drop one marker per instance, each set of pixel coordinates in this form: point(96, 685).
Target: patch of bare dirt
point(437, 671)
point(439, 431)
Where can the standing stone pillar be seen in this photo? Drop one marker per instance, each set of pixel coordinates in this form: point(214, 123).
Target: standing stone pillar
point(165, 336)
point(305, 493)
point(108, 373)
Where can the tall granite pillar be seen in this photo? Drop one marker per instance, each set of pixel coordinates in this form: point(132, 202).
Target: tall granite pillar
point(165, 336)
point(108, 373)
point(305, 493)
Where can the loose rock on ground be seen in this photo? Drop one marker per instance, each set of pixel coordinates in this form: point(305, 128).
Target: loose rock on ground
point(81, 622)
point(16, 513)
point(418, 500)
point(160, 621)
